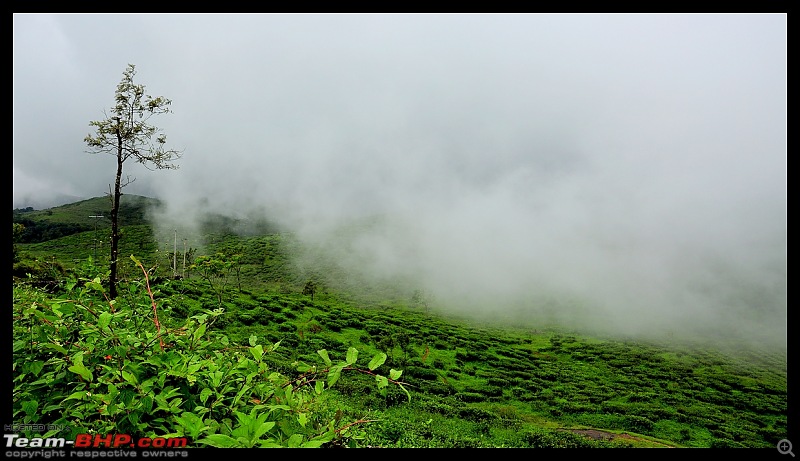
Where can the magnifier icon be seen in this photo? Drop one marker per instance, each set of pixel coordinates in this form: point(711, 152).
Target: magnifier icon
point(784, 447)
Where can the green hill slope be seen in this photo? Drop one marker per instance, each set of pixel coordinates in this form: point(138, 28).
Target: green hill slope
point(472, 385)
point(91, 214)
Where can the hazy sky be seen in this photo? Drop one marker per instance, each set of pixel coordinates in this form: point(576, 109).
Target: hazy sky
point(630, 164)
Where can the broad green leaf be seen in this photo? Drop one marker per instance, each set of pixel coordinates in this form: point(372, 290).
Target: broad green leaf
point(56, 347)
point(352, 355)
point(253, 339)
point(279, 407)
point(191, 423)
point(294, 441)
point(104, 320)
point(316, 442)
point(162, 403)
point(258, 352)
point(95, 285)
point(319, 386)
point(147, 403)
point(382, 381)
point(288, 393)
point(57, 310)
point(30, 407)
point(333, 375)
point(219, 441)
point(129, 377)
point(199, 331)
point(216, 378)
point(192, 369)
point(49, 408)
point(377, 361)
point(395, 374)
point(127, 396)
point(175, 404)
point(76, 396)
point(169, 392)
point(245, 389)
point(302, 418)
point(324, 354)
point(263, 429)
point(80, 369)
point(19, 346)
point(35, 367)
point(205, 394)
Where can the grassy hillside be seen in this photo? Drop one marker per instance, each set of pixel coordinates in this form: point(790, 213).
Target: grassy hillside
point(471, 385)
point(133, 210)
point(44, 225)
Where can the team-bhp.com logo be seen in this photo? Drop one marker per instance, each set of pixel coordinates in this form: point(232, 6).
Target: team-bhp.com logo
point(125, 440)
point(95, 441)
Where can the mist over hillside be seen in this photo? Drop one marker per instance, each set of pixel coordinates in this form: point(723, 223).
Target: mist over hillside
point(500, 256)
point(618, 172)
point(43, 200)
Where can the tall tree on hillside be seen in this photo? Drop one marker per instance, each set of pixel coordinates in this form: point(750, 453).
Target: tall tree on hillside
point(127, 135)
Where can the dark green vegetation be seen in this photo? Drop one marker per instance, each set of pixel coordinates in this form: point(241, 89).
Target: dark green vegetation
point(470, 385)
point(65, 220)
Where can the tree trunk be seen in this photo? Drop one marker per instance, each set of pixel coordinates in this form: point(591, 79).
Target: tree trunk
point(112, 278)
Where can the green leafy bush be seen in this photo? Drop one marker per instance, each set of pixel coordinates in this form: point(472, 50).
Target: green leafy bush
point(102, 366)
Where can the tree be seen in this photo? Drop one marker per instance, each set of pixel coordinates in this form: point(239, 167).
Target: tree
point(420, 298)
point(127, 135)
point(213, 269)
point(310, 289)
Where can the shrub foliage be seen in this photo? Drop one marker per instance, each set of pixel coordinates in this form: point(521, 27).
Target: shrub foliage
point(96, 365)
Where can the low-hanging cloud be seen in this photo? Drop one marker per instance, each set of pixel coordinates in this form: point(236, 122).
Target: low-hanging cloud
point(623, 171)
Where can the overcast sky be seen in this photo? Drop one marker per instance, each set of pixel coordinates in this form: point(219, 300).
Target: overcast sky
point(630, 164)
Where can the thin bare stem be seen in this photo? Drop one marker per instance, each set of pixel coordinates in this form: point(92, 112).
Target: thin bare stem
point(153, 302)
